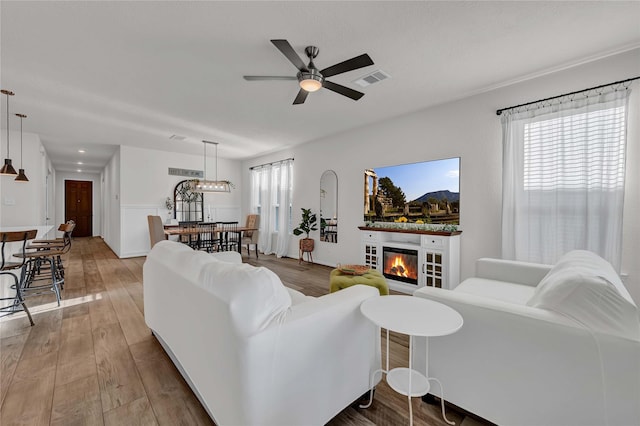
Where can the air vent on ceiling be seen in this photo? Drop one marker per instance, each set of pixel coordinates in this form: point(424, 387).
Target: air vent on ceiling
point(372, 78)
point(177, 137)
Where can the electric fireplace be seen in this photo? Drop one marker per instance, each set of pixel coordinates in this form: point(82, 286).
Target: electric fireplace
point(400, 264)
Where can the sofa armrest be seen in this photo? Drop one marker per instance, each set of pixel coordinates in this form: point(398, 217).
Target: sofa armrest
point(314, 364)
point(561, 372)
point(467, 302)
point(228, 256)
point(349, 298)
point(511, 271)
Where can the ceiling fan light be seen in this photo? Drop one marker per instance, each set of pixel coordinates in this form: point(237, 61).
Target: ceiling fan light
point(310, 85)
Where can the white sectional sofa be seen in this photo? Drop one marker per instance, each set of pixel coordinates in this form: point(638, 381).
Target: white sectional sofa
point(254, 351)
point(541, 344)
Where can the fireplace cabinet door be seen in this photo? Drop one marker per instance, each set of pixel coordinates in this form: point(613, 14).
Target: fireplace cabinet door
point(370, 252)
point(433, 269)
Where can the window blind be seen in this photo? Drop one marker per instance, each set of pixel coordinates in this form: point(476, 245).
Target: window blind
point(579, 151)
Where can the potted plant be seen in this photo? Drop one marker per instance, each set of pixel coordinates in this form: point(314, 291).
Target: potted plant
point(307, 224)
point(168, 203)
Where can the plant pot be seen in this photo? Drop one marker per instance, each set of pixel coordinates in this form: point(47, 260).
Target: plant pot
point(307, 245)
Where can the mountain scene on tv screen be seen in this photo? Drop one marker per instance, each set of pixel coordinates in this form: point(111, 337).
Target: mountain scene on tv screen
point(426, 192)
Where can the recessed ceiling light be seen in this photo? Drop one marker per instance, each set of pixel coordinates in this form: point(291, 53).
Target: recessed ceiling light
point(79, 171)
point(81, 151)
point(79, 162)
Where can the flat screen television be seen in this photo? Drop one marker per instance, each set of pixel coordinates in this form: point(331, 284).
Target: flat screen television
point(425, 192)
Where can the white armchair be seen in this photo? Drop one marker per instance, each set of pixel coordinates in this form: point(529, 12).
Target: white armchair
point(540, 345)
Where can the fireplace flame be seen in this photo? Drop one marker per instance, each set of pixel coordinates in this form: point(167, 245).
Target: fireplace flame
point(398, 267)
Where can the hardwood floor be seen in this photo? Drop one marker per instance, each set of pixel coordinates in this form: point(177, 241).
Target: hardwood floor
point(93, 361)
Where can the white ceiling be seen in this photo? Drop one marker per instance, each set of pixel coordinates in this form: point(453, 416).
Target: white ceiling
point(95, 75)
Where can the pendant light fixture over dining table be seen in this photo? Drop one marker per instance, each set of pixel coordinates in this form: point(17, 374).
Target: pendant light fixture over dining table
point(22, 177)
point(7, 168)
point(205, 185)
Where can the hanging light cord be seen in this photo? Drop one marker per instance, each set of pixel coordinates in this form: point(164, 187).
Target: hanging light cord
point(7, 125)
point(21, 142)
point(204, 177)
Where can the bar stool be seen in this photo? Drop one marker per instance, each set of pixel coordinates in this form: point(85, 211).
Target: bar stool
point(60, 245)
point(44, 264)
point(11, 268)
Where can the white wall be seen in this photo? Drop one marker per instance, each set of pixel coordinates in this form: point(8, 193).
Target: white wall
point(61, 177)
point(146, 184)
point(23, 203)
point(470, 129)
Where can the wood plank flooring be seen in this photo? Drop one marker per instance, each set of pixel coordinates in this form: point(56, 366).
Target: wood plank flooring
point(93, 361)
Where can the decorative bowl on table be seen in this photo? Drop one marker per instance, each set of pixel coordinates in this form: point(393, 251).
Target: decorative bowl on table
point(353, 269)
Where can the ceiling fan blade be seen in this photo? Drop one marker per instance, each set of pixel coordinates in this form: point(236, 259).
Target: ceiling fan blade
point(345, 91)
point(268, 77)
point(302, 96)
point(348, 65)
point(287, 50)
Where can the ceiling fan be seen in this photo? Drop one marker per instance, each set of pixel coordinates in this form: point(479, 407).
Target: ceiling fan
point(310, 78)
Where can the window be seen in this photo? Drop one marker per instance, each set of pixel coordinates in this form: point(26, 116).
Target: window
point(578, 151)
point(563, 178)
point(271, 198)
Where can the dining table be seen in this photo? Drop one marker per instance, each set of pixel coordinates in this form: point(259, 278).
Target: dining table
point(173, 230)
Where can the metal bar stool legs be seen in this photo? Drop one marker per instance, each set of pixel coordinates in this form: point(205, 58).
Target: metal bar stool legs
point(11, 268)
point(42, 266)
point(18, 303)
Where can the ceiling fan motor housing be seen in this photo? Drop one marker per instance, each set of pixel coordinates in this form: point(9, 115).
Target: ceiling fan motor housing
point(311, 74)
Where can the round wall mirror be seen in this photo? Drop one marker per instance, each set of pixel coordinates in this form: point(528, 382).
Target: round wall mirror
point(329, 207)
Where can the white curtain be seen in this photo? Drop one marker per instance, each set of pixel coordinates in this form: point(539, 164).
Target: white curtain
point(563, 178)
point(271, 192)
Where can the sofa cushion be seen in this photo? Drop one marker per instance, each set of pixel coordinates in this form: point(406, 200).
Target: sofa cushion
point(585, 287)
point(499, 290)
point(255, 296)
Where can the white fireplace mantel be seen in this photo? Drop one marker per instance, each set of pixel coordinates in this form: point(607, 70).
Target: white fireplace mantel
point(438, 255)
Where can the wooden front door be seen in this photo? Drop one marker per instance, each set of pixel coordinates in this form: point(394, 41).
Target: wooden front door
point(78, 195)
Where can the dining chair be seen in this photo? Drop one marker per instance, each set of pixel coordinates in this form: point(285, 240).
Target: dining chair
point(228, 232)
point(9, 268)
point(156, 229)
point(190, 237)
point(207, 236)
point(250, 238)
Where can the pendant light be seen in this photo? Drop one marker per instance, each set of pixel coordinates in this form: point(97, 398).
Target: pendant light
point(7, 168)
point(21, 176)
point(216, 185)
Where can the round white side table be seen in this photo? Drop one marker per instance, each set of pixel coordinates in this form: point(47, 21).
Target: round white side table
point(413, 316)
